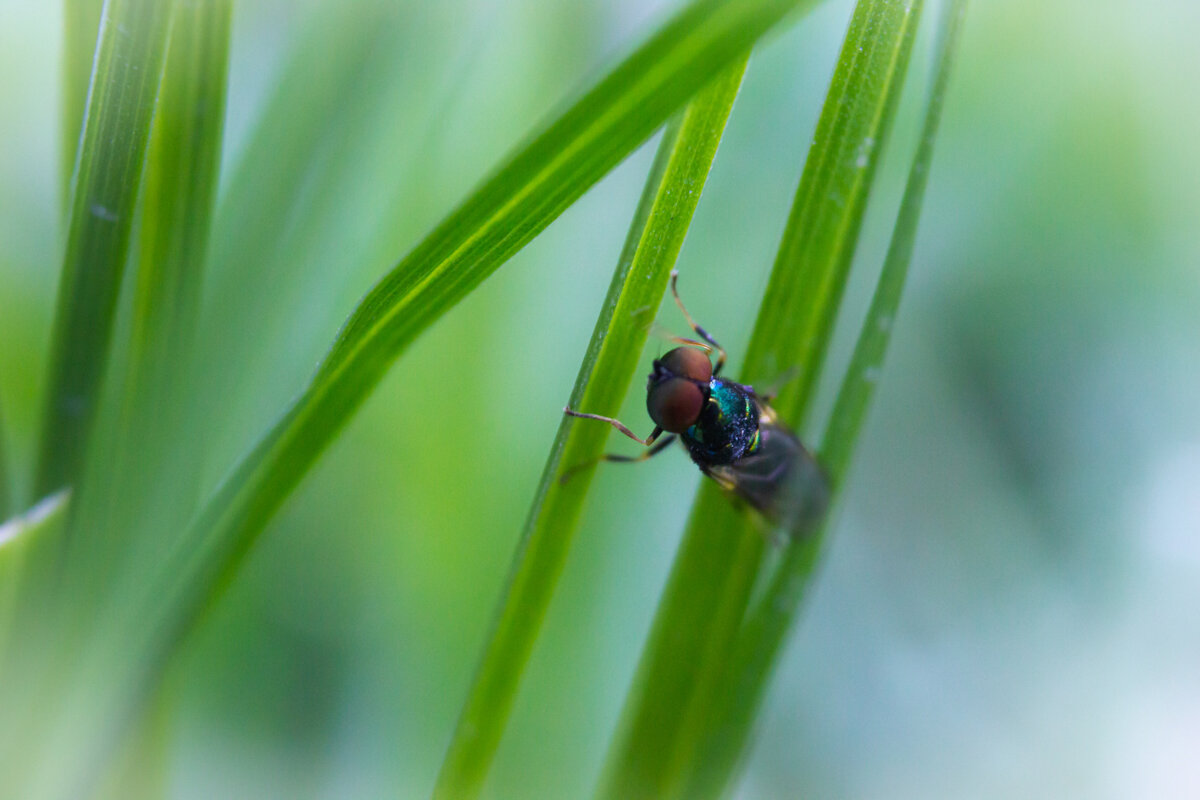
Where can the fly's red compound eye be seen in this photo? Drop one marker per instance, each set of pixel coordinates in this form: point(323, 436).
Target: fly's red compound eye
point(688, 362)
point(675, 404)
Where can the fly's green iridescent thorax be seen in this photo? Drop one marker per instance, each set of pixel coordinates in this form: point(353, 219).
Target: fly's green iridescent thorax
point(727, 428)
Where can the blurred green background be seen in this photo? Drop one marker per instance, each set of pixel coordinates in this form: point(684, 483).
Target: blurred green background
point(1008, 603)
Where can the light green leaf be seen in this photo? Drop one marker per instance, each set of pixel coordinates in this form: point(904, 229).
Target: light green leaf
point(286, 200)
point(184, 161)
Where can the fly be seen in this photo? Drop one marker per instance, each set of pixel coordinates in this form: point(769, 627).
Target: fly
point(730, 431)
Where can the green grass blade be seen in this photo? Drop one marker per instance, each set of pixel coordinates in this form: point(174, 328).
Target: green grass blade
point(297, 121)
point(19, 538)
point(81, 23)
point(704, 603)
point(120, 107)
point(314, 186)
point(184, 160)
point(135, 482)
point(136, 488)
point(822, 231)
point(655, 238)
point(5, 489)
point(858, 386)
point(278, 170)
point(766, 629)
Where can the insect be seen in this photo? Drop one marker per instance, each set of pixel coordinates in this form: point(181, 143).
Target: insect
point(729, 430)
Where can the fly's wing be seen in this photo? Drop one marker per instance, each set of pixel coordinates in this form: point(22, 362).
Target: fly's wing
point(780, 478)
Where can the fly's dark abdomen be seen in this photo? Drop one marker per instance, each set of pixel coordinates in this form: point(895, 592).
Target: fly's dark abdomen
point(727, 429)
point(780, 478)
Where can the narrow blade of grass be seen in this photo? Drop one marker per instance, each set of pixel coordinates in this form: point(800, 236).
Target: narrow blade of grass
point(129, 647)
point(281, 167)
point(19, 538)
point(184, 161)
point(297, 121)
point(5, 489)
point(135, 482)
point(81, 23)
point(133, 38)
point(137, 490)
point(719, 562)
point(311, 189)
point(766, 629)
point(858, 385)
point(655, 238)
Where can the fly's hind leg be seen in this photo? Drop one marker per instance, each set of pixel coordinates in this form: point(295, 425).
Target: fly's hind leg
point(703, 334)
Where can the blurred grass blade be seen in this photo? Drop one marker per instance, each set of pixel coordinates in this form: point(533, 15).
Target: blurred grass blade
point(796, 319)
point(184, 161)
point(135, 480)
point(81, 23)
point(137, 489)
point(858, 385)
point(655, 237)
point(314, 187)
point(5, 489)
point(19, 537)
point(766, 629)
point(120, 106)
point(276, 174)
point(719, 562)
point(297, 120)
point(128, 649)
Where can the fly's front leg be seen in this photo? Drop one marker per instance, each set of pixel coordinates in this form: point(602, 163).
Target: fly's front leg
point(649, 440)
point(703, 334)
point(652, 448)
